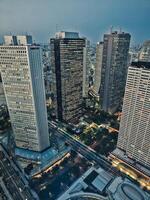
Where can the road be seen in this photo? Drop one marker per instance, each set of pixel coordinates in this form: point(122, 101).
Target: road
point(16, 187)
point(81, 148)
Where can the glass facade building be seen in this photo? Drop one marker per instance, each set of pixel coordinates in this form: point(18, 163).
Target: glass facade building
point(98, 66)
point(113, 70)
point(67, 55)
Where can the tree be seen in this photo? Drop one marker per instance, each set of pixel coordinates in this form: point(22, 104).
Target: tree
point(88, 139)
point(99, 134)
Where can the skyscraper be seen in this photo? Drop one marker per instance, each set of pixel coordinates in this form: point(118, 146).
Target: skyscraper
point(10, 40)
point(67, 53)
point(98, 67)
point(134, 133)
point(144, 54)
point(114, 70)
point(133, 146)
point(2, 95)
point(22, 77)
point(47, 70)
point(17, 40)
point(86, 68)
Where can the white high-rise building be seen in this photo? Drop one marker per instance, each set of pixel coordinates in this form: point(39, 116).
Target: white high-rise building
point(134, 133)
point(86, 68)
point(22, 76)
point(17, 40)
point(24, 39)
point(132, 155)
point(10, 40)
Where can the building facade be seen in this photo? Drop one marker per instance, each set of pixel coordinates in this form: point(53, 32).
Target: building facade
point(86, 68)
point(10, 40)
point(98, 66)
point(18, 40)
point(47, 71)
point(144, 54)
point(134, 133)
point(2, 95)
point(114, 70)
point(23, 82)
point(67, 53)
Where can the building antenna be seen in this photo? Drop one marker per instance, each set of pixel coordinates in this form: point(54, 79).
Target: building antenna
point(57, 27)
point(120, 30)
point(111, 29)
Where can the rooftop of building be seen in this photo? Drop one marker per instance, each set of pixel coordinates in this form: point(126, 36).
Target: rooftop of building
point(33, 45)
point(67, 34)
point(141, 64)
point(86, 196)
point(36, 156)
point(17, 39)
point(117, 33)
point(126, 190)
point(146, 43)
point(96, 183)
point(91, 185)
point(43, 159)
point(101, 42)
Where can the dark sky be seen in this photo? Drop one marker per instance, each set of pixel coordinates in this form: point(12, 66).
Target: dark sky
point(92, 18)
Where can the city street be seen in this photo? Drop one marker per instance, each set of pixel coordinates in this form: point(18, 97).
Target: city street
point(81, 148)
point(15, 186)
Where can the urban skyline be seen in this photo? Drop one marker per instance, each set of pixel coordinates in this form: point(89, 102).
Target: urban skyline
point(74, 100)
point(71, 59)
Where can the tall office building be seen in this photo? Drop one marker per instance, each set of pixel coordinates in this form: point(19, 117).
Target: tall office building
point(98, 66)
point(86, 68)
point(114, 70)
point(23, 82)
point(2, 95)
point(17, 40)
point(134, 133)
point(67, 53)
point(10, 40)
point(132, 155)
point(47, 70)
point(133, 56)
point(144, 54)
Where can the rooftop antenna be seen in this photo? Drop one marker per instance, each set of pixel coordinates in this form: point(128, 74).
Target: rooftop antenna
point(111, 29)
point(120, 29)
point(57, 27)
point(75, 27)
